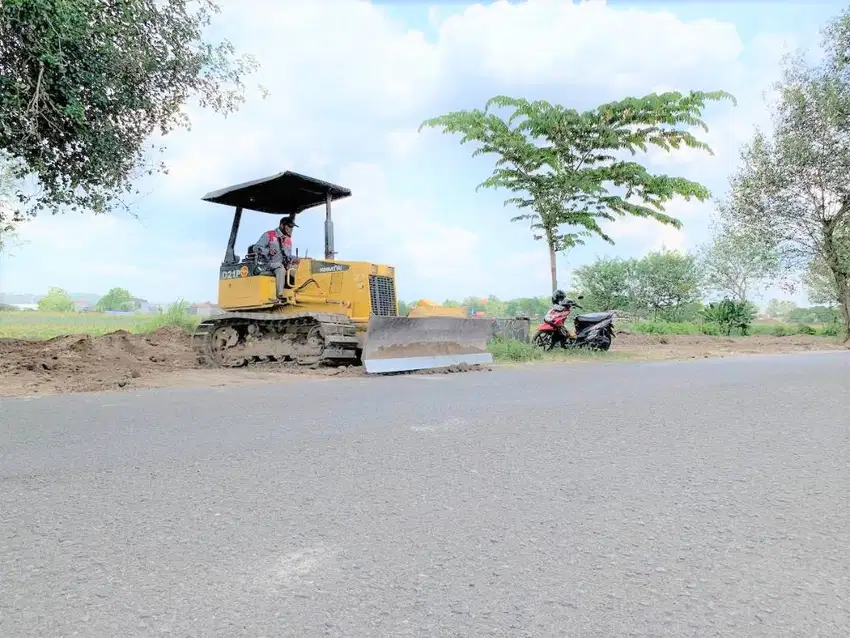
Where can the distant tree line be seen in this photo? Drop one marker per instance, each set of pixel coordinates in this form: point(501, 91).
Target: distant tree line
point(58, 300)
point(669, 285)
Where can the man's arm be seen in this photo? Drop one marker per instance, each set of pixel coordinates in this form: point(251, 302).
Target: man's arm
point(261, 248)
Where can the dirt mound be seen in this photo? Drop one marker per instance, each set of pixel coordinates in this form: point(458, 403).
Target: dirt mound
point(81, 363)
point(121, 360)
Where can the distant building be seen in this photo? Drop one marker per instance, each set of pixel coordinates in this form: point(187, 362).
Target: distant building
point(81, 305)
point(142, 305)
point(25, 306)
point(205, 309)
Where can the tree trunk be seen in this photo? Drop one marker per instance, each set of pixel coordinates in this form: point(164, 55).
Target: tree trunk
point(844, 302)
point(839, 273)
point(553, 266)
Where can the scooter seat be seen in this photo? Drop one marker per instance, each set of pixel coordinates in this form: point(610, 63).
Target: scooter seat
point(594, 317)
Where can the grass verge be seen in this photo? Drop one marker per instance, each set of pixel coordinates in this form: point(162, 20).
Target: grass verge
point(511, 351)
point(711, 330)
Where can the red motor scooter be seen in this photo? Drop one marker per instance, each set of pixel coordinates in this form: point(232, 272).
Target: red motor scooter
point(594, 331)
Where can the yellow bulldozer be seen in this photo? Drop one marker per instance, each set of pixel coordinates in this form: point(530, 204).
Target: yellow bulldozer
point(328, 311)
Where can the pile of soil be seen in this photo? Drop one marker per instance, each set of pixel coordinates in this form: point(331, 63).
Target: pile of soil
point(121, 360)
point(81, 363)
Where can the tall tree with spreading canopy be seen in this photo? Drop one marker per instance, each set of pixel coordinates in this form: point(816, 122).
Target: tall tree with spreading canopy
point(564, 166)
point(736, 263)
point(665, 282)
point(607, 283)
point(792, 188)
point(84, 84)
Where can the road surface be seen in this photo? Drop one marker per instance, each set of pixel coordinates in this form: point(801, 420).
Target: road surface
point(709, 498)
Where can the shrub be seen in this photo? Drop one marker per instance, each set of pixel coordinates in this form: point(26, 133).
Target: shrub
point(831, 330)
point(709, 329)
point(780, 331)
point(803, 329)
point(728, 315)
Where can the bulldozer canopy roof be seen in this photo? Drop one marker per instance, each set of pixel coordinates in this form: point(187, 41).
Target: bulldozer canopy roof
point(284, 193)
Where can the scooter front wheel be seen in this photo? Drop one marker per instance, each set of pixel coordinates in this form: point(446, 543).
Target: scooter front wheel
point(543, 339)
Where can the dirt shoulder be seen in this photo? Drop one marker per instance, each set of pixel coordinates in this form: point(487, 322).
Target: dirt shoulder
point(124, 361)
point(676, 347)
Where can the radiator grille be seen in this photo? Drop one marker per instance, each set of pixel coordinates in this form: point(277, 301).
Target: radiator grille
point(382, 293)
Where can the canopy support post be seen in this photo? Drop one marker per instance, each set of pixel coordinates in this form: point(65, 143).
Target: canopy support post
point(230, 254)
point(329, 229)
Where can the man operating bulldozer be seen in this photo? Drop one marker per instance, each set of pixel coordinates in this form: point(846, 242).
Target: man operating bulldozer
point(274, 250)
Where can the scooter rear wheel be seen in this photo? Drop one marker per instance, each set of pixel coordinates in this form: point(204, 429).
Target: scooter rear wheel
point(602, 344)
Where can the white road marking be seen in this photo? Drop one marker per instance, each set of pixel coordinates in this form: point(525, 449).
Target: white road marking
point(449, 425)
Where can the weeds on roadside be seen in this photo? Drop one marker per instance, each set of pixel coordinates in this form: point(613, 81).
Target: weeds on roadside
point(512, 351)
point(177, 316)
point(832, 330)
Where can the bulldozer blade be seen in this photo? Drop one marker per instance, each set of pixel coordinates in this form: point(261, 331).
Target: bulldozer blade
point(401, 344)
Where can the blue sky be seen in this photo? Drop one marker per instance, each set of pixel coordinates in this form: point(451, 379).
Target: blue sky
point(349, 83)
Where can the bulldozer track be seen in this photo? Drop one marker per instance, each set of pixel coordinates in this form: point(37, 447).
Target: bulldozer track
point(310, 338)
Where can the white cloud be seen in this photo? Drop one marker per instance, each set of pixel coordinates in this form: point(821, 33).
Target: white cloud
point(589, 44)
point(348, 86)
point(379, 226)
point(95, 253)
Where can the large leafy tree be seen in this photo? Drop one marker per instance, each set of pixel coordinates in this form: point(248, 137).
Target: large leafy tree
point(792, 188)
point(56, 300)
point(665, 282)
point(821, 285)
point(779, 309)
point(568, 170)
point(84, 84)
point(118, 299)
point(736, 263)
point(607, 283)
point(528, 306)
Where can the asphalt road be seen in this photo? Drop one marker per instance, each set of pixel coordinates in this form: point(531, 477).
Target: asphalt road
point(671, 499)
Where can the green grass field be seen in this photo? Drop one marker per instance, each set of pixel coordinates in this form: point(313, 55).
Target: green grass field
point(46, 325)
